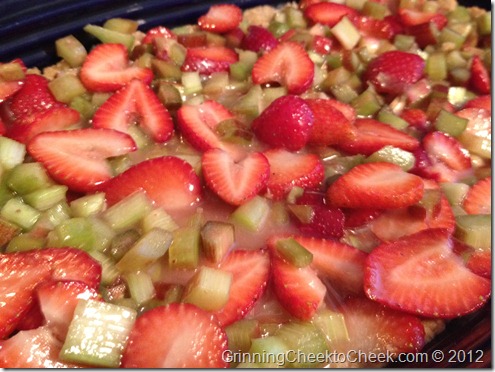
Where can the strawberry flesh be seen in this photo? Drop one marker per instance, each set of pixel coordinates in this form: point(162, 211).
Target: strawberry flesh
point(328, 13)
point(221, 18)
point(209, 59)
point(259, 39)
point(478, 199)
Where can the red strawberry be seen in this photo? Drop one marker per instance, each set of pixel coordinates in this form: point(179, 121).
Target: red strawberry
point(287, 122)
point(478, 133)
point(197, 124)
point(135, 102)
point(288, 169)
point(416, 118)
point(77, 158)
point(422, 275)
point(326, 222)
point(221, 18)
point(287, 64)
point(341, 264)
point(193, 339)
point(234, 38)
point(478, 200)
point(321, 44)
point(371, 135)
point(37, 348)
point(181, 189)
point(328, 13)
point(235, 181)
point(299, 290)
point(480, 78)
point(385, 28)
point(250, 270)
point(347, 110)
point(394, 71)
point(480, 102)
point(107, 69)
point(259, 39)
point(8, 88)
point(32, 319)
point(330, 126)
point(396, 223)
point(480, 263)
point(209, 59)
point(360, 216)
point(58, 300)
point(53, 119)
point(411, 17)
point(158, 32)
point(375, 185)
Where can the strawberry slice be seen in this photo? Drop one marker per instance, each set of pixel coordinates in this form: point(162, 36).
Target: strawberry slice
point(50, 120)
point(330, 126)
point(181, 189)
point(287, 122)
point(341, 264)
point(8, 88)
point(107, 68)
point(480, 102)
point(193, 339)
point(135, 102)
point(197, 124)
point(394, 71)
point(325, 222)
point(412, 17)
point(221, 18)
point(259, 39)
point(421, 274)
point(287, 64)
point(77, 158)
point(289, 169)
point(235, 181)
point(37, 348)
point(371, 135)
point(360, 216)
point(328, 13)
point(478, 133)
point(396, 223)
point(480, 263)
point(375, 185)
point(385, 28)
point(250, 270)
point(158, 32)
point(209, 59)
point(480, 78)
point(478, 199)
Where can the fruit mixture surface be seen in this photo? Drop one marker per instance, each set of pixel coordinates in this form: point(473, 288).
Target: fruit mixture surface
point(300, 185)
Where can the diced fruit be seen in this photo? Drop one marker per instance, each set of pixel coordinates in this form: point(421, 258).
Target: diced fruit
point(235, 181)
point(179, 189)
point(221, 18)
point(217, 238)
point(412, 17)
point(474, 230)
point(189, 329)
point(71, 50)
point(422, 275)
point(287, 64)
point(293, 252)
point(328, 13)
point(259, 39)
point(477, 137)
point(77, 158)
point(185, 248)
point(135, 102)
point(128, 212)
point(480, 78)
point(12, 153)
point(478, 199)
point(481, 102)
point(253, 214)
point(209, 59)
point(416, 118)
point(158, 32)
point(480, 263)
point(323, 221)
point(286, 123)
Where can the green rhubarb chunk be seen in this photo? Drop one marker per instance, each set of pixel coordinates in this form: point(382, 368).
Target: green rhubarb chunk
point(484, 23)
point(191, 81)
point(332, 325)
point(158, 218)
point(450, 36)
point(98, 334)
point(268, 352)
point(88, 205)
point(83, 105)
point(169, 95)
point(253, 214)
point(19, 213)
point(66, 87)
point(11, 71)
point(140, 286)
point(217, 238)
point(58, 213)
point(12, 153)
point(185, 248)
point(240, 333)
point(75, 232)
point(436, 66)
point(474, 230)
point(71, 50)
point(24, 242)
point(122, 243)
point(103, 233)
point(394, 155)
point(166, 70)
point(122, 25)
point(8, 231)
point(278, 28)
point(109, 272)
point(293, 252)
point(450, 123)
point(388, 117)
point(455, 192)
point(346, 33)
point(404, 42)
point(44, 199)
point(28, 177)
point(375, 10)
point(367, 103)
point(110, 36)
point(128, 212)
point(173, 294)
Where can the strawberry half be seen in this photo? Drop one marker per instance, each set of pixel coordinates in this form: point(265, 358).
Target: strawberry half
point(375, 185)
point(416, 118)
point(325, 222)
point(77, 158)
point(478, 199)
point(168, 181)
point(259, 39)
point(480, 78)
point(250, 270)
point(107, 68)
point(287, 122)
point(235, 181)
point(135, 102)
point(158, 32)
point(288, 64)
point(412, 17)
point(209, 59)
point(480, 102)
point(394, 71)
point(193, 339)
point(289, 169)
point(421, 274)
point(221, 18)
point(328, 13)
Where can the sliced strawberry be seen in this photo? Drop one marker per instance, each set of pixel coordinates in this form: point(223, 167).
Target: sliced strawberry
point(416, 118)
point(394, 71)
point(480, 263)
point(396, 223)
point(371, 135)
point(360, 216)
point(235, 181)
point(321, 44)
point(58, 300)
point(480, 102)
point(32, 319)
point(478, 133)
point(287, 64)
point(412, 17)
point(330, 126)
point(422, 275)
point(287, 122)
point(37, 348)
point(135, 102)
point(53, 119)
point(341, 264)
point(180, 189)
point(375, 185)
point(9, 88)
point(77, 158)
point(107, 69)
point(234, 38)
point(193, 339)
point(158, 32)
point(385, 28)
point(328, 13)
point(209, 59)
point(347, 110)
point(197, 124)
point(480, 78)
point(250, 270)
point(299, 290)
point(478, 200)
point(325, 222)
point(259, 39)
point(221, 18)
